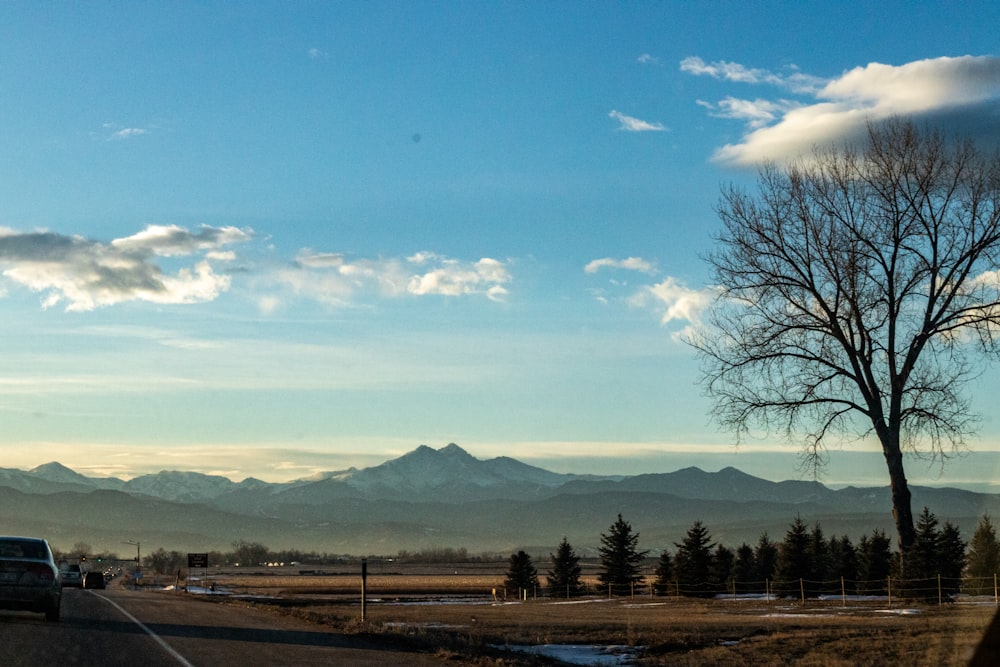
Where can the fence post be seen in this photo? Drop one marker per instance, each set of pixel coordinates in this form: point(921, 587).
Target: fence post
point(767, 589)
point(802, 590)
point(888, 582)
point(996, 601)
point(843, 593)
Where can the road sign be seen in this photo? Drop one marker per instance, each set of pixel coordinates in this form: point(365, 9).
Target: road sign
point(198, 560)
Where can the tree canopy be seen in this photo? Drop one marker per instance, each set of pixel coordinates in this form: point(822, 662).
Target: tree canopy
point(620, 557)
point(856, 291)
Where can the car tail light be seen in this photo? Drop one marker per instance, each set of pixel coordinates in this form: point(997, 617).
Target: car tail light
point(39, 571)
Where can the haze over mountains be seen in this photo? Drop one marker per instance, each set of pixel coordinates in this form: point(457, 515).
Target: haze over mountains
point(442, 498)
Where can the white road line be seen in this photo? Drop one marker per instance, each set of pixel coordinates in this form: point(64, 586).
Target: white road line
point(166, 647)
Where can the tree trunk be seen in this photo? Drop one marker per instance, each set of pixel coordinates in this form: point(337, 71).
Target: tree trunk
point(901, 510)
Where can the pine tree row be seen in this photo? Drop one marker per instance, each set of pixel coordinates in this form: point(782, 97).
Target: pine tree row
point(805, 563)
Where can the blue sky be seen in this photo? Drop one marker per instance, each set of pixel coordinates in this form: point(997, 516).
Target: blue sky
point(272, 239)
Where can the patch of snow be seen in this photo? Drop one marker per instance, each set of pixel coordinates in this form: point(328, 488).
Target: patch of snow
point(581, 654)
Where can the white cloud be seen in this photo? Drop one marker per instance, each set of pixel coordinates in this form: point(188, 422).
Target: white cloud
point(171, 240)
point(630, 124)
point(333, 279)
point(795, 80)
point(959, 94)
point(647, 59)
point(630, 263)
point(86, 274)
point(756, 113)
point(118, 132)
point(677, 302)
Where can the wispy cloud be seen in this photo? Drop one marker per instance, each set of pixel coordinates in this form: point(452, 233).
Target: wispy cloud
point(672, 301)
point(630, 263)
point(630, 124)
point(335, 279)
point(958, 94)
point(793, 80)
point(317, 54)
point(86, 274)
point(647, 59)
point(117, 132)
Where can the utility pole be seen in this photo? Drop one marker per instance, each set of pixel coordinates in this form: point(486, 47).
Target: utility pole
point(138, 561)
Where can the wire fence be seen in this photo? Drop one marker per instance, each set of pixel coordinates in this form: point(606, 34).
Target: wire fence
point(937, 589)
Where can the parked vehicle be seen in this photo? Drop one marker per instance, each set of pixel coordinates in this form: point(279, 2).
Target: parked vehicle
point(29, 578)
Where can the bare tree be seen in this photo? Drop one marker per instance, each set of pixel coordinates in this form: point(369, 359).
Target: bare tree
point(858, 294)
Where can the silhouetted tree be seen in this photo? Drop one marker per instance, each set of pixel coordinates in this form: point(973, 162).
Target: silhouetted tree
point(820, 563)
point(951, 559)
point(794, 558)
point(664, 573)
point(564, 577)
point(843, 560)
point(765, 557)
point(875, 563)
point(620, 558)
point(721, 569)
point(983, 561)
point(852, 297)
point(693, 562)
point(249, 554)
point(921, 562)
point(745, 569)
point(521, 574)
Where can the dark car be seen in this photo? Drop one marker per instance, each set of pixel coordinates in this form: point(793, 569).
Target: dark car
point(29, 578)
point(93, 580)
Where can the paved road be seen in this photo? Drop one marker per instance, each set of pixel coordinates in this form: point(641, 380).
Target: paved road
point(119, 627)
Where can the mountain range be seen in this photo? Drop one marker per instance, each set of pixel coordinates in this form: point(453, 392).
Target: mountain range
point(441, 498)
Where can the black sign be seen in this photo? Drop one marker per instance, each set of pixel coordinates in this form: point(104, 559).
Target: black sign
point(197, 560)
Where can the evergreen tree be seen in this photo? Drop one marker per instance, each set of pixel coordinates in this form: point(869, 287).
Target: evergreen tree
point(664, 573)
point(745, 569)
point(521, 574)
point(818, 579)
point(843, 561)
point(983, 562)
point(564, 577)
point(794, 559)
point(874, 563)
point(620, 558)
point(693, 562)
point(951, 559)
point(721, 569)
point(765, 558)
point(921, 562)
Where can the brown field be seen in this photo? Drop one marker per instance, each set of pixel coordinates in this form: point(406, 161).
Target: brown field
point(454, 614)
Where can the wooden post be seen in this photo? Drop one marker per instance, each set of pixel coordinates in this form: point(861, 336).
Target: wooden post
point(939, 588)
point(364, 587)
point(996, 601)
point(802, 590)
point(888, 582)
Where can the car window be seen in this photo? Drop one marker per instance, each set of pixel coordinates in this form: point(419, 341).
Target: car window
point(20, 549)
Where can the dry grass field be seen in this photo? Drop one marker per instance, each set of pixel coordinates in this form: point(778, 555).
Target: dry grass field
point(454, 614)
